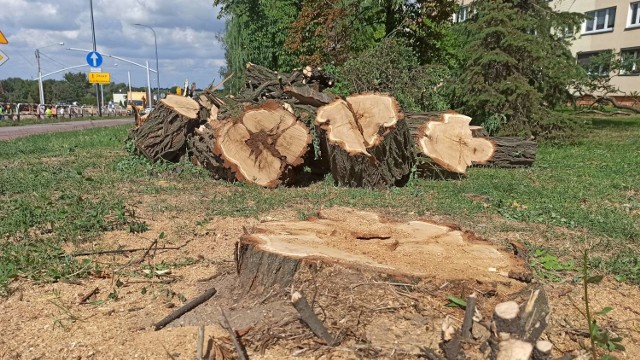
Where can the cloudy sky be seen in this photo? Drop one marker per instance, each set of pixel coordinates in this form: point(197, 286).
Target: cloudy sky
point(186, 34)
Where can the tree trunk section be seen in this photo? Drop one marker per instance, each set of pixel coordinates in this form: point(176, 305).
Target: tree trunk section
point(200, 145)
point(366, 141)
point(512, 152)
point(164, 133)
point(266, 145)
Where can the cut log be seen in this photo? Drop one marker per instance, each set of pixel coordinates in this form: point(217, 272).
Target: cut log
point(265, 145)
point(449, 143)
point(367, 142)
point(308, 96)
point(163, 134)
point(511, 152)
point(272, 255)
point(542, 350)
point(200, 145)
point(505, 317)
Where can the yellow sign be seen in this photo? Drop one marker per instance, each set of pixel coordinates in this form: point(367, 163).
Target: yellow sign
point(99, 78)
point(3, 39)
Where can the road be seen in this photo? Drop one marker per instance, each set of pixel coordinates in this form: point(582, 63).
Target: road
point(13, 132)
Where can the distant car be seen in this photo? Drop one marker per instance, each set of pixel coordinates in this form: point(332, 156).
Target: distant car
point(148, 110)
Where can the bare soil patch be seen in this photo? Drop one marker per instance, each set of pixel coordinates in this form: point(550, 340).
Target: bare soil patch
point(374, 316)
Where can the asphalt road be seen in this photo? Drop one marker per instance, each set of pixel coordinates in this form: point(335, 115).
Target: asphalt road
point(13, 132)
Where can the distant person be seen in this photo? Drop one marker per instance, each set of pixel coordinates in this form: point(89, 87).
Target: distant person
point(47, 113)
point(1, 112)
point(61, 112)
point(53, 112)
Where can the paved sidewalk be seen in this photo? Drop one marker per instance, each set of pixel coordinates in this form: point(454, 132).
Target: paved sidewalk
point(13, 132)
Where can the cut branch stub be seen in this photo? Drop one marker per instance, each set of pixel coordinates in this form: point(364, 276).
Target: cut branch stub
point(449, 143)
point(262, 144)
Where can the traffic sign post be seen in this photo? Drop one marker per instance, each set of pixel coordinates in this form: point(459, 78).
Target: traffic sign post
point(94, 59)
point(3, 58)
point(99, 78)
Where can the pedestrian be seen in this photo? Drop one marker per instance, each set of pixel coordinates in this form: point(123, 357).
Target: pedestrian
point(1, 111)
point(48, 113)
point(53, 112)
point(61, 112)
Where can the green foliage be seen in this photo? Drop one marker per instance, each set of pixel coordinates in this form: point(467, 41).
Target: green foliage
point(456, 302)
point(392, 67)
point(548, 266)
point(598, 336)
point(515, 67)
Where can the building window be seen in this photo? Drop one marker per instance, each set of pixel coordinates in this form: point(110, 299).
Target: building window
point(634, 14)
point(630, 61)
point(600, 20)
point(596, 63)
point(462, 14)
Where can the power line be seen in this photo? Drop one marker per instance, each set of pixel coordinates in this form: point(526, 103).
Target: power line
point(52, 60)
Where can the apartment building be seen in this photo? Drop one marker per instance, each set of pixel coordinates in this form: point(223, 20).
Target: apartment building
point(611, 25)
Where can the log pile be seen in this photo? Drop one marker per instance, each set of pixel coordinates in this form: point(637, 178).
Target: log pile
point(284, 125)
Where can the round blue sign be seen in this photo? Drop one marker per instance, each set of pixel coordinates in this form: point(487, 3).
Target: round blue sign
point(94, 59)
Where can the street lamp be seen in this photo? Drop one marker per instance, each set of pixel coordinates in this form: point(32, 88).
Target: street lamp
point(155, 40)
point(40, 89)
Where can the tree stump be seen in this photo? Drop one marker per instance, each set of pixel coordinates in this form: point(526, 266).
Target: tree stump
point(265, 145)
point(343, 237)
point(163, 134)
point(367, 142)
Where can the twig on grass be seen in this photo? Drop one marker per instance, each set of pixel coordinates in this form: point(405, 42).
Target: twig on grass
point(185, 308)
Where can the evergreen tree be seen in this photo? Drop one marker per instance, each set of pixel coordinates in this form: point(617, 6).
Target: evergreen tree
point(516, 66)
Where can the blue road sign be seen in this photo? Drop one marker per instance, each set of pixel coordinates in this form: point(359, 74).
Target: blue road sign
point(94, 59)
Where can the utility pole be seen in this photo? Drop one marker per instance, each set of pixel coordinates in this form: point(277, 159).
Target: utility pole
point(93, 35)
point(40, 78)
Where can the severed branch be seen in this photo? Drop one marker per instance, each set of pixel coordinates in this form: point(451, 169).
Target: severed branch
point(242, 354)
point(89, 295)
point(309, 317)
point(467, 322)
point(185, 308)
point(123, 251)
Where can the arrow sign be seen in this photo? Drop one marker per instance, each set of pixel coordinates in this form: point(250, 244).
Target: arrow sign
point(94, 59)
point(3, 58)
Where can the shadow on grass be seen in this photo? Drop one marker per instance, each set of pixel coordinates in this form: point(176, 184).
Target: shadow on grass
point(615, 123)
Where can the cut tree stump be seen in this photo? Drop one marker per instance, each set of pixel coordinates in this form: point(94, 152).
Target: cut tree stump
point(366, 141)
point(163, 134)
point(265, 145)
point(275, 251)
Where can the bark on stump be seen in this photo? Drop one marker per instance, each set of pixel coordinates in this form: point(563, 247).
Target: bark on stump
point(366, 141)
point(275, 251)
point(265, 145)
point(164, 133)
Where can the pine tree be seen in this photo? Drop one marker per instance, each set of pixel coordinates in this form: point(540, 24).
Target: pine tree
point(517, 66)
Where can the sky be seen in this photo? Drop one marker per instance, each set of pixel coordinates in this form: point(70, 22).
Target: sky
point(186, 31)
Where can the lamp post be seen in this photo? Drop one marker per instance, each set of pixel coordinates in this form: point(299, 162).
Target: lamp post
point(155, 40)
point(40, 89)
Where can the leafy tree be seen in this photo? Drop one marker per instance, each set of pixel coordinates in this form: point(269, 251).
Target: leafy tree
point(517, 67)
point(393, 67)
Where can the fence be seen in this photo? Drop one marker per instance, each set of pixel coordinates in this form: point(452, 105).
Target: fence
point(20, 111)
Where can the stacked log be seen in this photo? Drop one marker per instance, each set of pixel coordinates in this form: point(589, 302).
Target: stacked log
point(283, 124)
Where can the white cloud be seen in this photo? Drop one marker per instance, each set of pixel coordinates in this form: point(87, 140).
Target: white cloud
point(186, 36)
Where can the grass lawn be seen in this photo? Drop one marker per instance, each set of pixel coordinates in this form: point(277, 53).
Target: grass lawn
point(70, 187)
